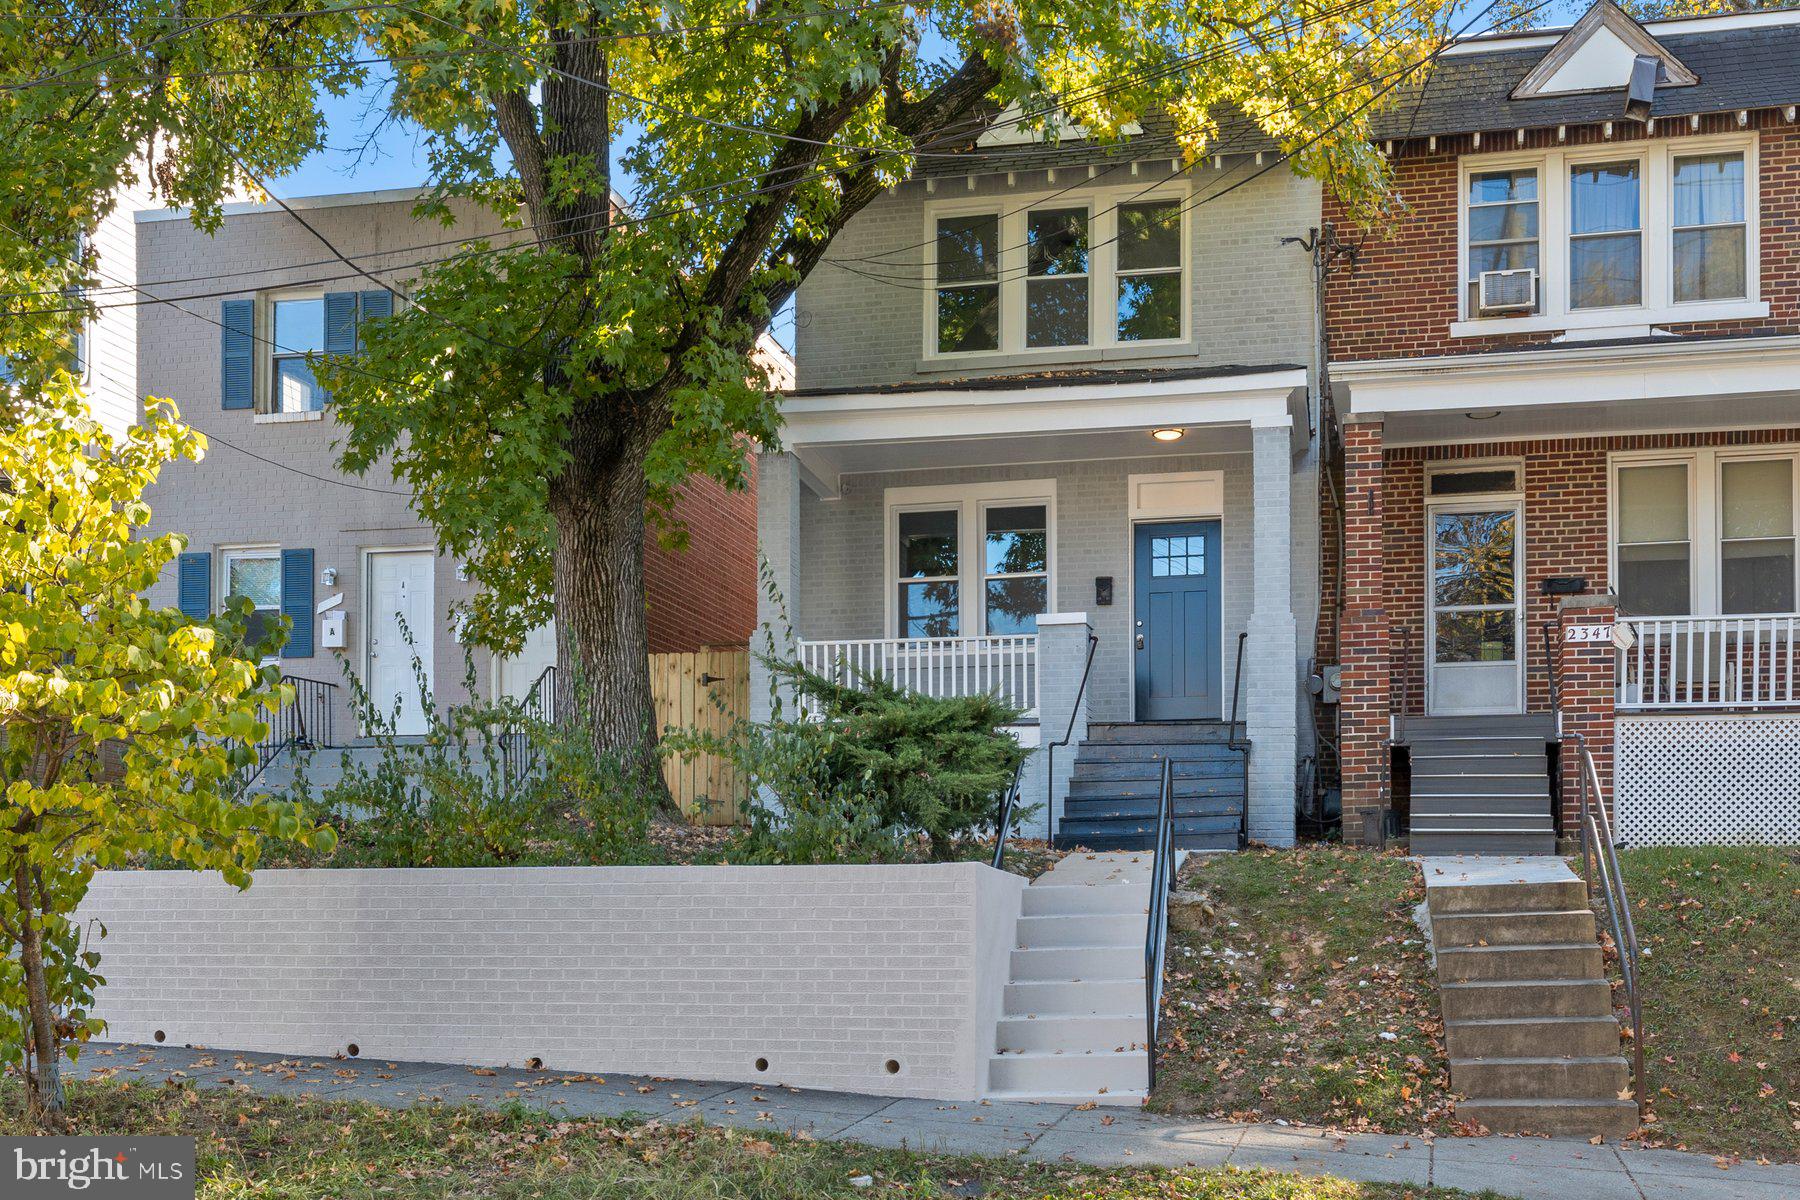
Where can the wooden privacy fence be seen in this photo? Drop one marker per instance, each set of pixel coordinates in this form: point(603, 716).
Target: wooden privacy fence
point(708, 690)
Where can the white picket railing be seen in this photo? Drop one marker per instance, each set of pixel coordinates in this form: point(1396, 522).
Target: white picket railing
point(1003, 666)
point(1710, 663)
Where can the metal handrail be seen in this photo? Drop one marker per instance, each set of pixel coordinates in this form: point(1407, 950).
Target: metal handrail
point(1600, 857)
point(1156, 931)
point(1051, 748)
point(518, 750)
point(1241, 745)
point(1551, 672)
point(1003, 824)
point(305, 723)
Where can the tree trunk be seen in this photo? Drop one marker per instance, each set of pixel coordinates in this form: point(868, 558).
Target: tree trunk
point(44, 1090)
point(602, 644)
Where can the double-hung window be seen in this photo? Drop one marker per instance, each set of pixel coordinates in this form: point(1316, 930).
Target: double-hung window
point(969, 561)
point(297, 329)
point(1503, 226)
point(256, 575)
point(1101, 270)
point(1710, 236)
point(1708, 532)
point(1606, 240)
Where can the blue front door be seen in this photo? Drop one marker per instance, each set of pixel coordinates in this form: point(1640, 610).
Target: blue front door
point(1176, 621)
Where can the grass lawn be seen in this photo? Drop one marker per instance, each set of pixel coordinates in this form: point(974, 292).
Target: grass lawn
point(1302, 990)
point(291, 1149)
point(1721, 996)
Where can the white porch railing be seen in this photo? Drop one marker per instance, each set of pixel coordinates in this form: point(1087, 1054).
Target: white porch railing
point(1710, 663)
point(1004, 666)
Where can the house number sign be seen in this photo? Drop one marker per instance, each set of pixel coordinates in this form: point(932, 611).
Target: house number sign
point(1588, 633)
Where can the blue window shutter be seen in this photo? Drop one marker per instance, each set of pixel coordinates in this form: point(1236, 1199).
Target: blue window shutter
point(237, 354)
point(340, 322)
point(376, 306)
point(297, 601)
point(193, 585)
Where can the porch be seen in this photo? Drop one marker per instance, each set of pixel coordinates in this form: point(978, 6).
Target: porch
point(1044, 544)
point(1645, 491)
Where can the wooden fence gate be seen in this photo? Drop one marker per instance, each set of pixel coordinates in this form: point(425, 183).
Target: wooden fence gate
point(708, 690)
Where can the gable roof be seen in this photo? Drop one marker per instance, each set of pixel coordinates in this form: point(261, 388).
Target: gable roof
point(1596, 55)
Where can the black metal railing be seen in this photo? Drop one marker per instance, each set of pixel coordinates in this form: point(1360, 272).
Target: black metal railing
point(304, 723)
point(1552, 675)
point(518, 748)
point(1600, 862)
point(1156, 931)
point(1003, 823)
point(1240, 744)
point(1051, 747)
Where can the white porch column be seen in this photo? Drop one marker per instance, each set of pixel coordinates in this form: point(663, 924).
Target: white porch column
point(778, 540)
point(1062, 708)
point(1270, 694)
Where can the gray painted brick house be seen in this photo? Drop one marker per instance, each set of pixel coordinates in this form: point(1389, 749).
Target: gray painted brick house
point(1048, 390)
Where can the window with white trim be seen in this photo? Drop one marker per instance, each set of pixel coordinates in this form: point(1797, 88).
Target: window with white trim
point(254, 573)
point(1711, 532)
point(1632, 234)
point(297, 329)
point(969, 561)
point(1101, 270)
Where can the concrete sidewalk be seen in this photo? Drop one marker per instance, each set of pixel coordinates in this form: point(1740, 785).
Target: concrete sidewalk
point(1528, 1168)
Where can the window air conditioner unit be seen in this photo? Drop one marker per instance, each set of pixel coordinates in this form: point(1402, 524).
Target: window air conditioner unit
point(1508, 291)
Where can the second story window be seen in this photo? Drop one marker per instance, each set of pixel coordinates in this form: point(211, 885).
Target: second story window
point(968, 293)
point(1503, 227)
point(1709, 233)
point(1056, 287)
point(1606, 245)
point(297, 329)
point(1149, 274)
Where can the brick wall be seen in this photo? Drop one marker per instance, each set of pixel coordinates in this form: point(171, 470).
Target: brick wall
point(705, 593)
point(1363, 706)
point(827, 973)
point(1400, 296)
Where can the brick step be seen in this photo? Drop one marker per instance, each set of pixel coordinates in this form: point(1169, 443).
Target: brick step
point(1227, 764)
point(1537, 785)
point(1540, 1078)
point(1481, 841)
point(1575, 925)
point(1518, 999)
point(1570, 1037)
point(1158, 732)
point(1553, 1118)
point(1469, 964)
point(1559, 896)
point(1152, 788)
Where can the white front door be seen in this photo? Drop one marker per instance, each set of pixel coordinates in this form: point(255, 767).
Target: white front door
point(1474, 642)
point(400, 606)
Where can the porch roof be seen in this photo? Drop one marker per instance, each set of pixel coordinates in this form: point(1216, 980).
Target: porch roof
point(1637, 385)
point(1056, 416)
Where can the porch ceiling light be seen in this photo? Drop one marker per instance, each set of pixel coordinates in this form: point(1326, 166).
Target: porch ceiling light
point(1167, 434)
point(1488, 415)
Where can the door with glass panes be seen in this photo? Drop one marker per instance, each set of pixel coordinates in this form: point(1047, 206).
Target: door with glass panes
point(1474, 651)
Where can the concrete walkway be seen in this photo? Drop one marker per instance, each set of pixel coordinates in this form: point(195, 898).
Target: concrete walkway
point(1529, 1168)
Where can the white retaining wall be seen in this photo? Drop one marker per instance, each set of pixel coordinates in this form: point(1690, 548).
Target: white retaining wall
point(1707, 779)
point(884, 979)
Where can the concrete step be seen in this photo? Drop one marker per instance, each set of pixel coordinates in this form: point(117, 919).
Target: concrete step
point(1510, 929)
point(1520, 962)
point(1144, 841)
point(1158, 732)
point(1078, 962)
point(1558, 895)
point(1088, 997)
point(1225, 764)
point(1462, 840)
point(1151, 789)
point(1517, 999)
point(1556, 1037)
point(1092, 1073)
point(1554, 1118)
point(1022, 1035)
point(1082, 900)
point(1468, 784)
point(1540, 1078)
point(1139, 752)
point(1094, 929)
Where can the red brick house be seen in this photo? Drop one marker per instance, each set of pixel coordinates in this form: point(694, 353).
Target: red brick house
point(1569, 388)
